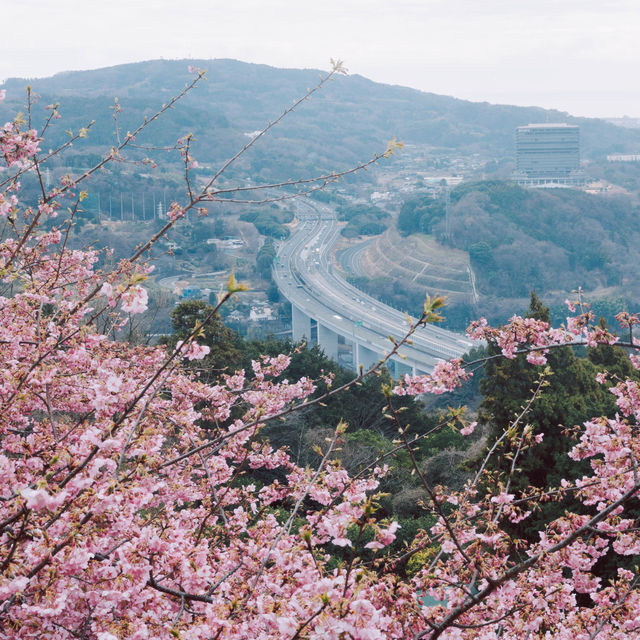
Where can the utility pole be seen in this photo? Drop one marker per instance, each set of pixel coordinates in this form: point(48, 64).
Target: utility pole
point(447, 217)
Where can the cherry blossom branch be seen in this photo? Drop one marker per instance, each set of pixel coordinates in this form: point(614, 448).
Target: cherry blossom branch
point(183, 595)
point(308, 621)
point(494, 583)
point(512, 427)
point(432, 496)
point(337, 68)
point(212, 485)
point(286, 529)
point(618, 605)
point(422, 321)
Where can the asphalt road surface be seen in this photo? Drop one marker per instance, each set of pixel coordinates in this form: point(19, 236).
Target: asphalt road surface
point(305, 276)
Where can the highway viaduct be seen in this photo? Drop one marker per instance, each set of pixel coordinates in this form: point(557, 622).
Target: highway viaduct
point(340, 317)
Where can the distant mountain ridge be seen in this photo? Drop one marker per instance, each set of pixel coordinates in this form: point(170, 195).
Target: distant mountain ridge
point(349, 120)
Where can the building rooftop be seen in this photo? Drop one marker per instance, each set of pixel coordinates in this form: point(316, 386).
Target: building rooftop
point(549, 125)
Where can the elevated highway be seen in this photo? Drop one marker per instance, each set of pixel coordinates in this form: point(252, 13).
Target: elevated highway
point(341, 317)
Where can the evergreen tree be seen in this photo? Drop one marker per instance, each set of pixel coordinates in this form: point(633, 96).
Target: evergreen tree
point(225, 345)
point(569, 396)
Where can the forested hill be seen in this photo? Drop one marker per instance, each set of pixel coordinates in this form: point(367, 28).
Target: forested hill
point(347, 121)
point(523, 239)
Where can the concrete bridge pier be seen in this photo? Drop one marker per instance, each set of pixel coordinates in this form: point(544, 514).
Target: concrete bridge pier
point(328, 340)
point(300, 324)
point(398, 368)
point(364, 356)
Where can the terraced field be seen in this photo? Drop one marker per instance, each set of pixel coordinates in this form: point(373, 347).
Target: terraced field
point(420, 261)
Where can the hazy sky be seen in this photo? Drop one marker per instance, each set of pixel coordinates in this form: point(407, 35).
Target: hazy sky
point(581, 56)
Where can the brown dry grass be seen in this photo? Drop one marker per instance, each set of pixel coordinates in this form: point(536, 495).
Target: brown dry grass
point(418, 259)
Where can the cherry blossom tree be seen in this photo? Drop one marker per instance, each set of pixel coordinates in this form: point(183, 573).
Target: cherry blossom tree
point(137, 501)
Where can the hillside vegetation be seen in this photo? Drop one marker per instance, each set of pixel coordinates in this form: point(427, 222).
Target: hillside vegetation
point(346, 122)
point(516, 239)
point(522, 239)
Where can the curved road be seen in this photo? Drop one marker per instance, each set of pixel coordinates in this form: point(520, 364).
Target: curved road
point(349, 259)
point(304, 274)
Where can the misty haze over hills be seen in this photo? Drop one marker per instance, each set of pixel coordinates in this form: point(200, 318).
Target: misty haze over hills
point(347, 121)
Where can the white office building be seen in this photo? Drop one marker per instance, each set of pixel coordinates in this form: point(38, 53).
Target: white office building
point(548, 155)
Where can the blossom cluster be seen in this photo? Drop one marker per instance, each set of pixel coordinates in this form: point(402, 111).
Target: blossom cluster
point(18, 146)
point(446, 376)
point(121, 510)
point(138, 502)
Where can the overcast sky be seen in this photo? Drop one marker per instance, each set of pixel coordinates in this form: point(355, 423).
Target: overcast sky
point(580, 56)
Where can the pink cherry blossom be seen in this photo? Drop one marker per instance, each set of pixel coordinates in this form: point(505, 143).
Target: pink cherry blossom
point(39, 499)
point(106, 290)
point(139, 501)
point(197, 351)
point(175, 212)
point(503, 498)
point(134, 300)
point(468, 430)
